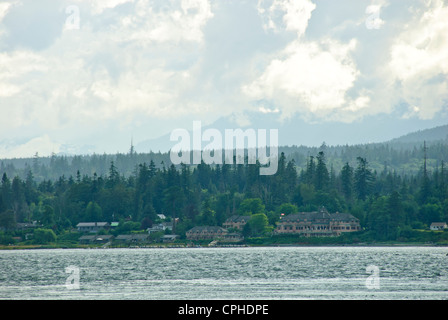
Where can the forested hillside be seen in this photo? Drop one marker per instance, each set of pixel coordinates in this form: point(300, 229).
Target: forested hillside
point(362, 180)
point(402, 158)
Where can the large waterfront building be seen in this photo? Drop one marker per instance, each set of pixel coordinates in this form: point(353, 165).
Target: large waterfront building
point(317, 224)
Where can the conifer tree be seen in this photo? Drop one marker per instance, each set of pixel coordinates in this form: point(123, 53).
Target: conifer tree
point(363, 179)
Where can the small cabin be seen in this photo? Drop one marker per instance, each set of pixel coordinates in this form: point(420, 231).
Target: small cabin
point(438, 226)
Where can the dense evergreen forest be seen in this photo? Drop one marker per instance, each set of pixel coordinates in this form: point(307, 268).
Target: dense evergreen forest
point(391, 190)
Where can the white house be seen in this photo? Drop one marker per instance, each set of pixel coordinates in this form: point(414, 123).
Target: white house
point(160, 227)
point(438, 226)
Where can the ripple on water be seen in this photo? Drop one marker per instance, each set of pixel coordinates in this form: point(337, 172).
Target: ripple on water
point(226, 273)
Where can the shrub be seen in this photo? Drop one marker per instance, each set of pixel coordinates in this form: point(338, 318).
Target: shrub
point(44, 236)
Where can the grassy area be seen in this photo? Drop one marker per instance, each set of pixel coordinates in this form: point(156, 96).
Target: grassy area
point(19, 246)
point(407, 237)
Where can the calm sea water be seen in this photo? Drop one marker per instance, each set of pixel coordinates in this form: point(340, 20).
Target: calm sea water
point(226, 273)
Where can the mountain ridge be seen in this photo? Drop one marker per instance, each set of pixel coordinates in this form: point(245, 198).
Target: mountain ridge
point(428, 135)
point(297, 132)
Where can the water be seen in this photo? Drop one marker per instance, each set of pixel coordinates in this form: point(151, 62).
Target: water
point(227, 273)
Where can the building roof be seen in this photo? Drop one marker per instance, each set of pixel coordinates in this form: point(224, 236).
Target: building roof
point(132, 237)
point(233, 234)
point(24, 225)
point(97, 237)
point(124, 237)
point(318, 215)
point(209, 229)
point(92, 224)
point(87, 238)
point(104, 236)
point(438, 224)
point(170, 236)
point(236, 218)
point(306, 216)
point(343, 216)
point(167, 224)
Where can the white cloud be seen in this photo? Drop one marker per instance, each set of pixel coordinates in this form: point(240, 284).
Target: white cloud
point(183, 22)
point(311, 78)
point(70, 84)
point(134, 62)
point(99, 6)
point(358, 104)
point(19, 63)
point(306, 76)
point(419, 61)
point(4, 7)
point(295, 14)
point(267, 110)
point(15, 67)
point(320, 77)
point(7, 90)
point(374, 20)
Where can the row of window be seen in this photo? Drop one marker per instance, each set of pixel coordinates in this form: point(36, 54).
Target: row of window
point(305, 228)
point(319, 228)
point(346, 228)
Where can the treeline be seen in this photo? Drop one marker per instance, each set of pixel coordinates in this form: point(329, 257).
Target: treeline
point(404, 158)
point(388, 203)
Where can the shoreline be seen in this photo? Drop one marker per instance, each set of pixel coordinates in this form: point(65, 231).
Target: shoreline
point(198, 246)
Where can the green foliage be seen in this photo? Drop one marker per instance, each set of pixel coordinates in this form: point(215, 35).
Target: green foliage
point(251, 206)
point(322, 176)
point(5, 239)
point(287, 208)
point(347, 181)
point(7, 221)
point(258, 225)
point(125, 227)
point(363, 179)
point(93, 212)
point(392, 191)
point(44, 236)
point(430, 212)
point(48, 216)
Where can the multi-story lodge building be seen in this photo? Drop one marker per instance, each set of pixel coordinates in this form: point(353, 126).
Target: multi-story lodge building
point(236, 222)
point(318, 223)
point(205, 233)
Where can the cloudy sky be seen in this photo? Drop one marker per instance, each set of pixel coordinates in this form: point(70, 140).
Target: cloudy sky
point(81, 75)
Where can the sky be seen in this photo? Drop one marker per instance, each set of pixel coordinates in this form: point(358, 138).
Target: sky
point(91, 76)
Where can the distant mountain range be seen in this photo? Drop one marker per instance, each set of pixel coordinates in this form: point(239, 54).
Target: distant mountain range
point(297, 132)
point(391, 129)
point(429, 135)
point(403, 153)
